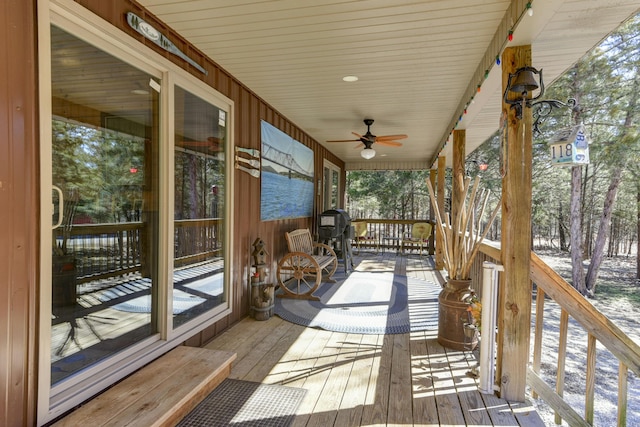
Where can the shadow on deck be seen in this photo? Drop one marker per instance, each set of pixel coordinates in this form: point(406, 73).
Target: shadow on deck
point(356, 379)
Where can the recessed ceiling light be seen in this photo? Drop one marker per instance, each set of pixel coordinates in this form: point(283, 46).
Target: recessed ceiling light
point(140, 92)
point(350, 78)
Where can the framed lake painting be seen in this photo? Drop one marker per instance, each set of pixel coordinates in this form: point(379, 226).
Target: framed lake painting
point(287, 176)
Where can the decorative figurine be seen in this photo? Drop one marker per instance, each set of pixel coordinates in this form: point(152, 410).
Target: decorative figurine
point(259, 252)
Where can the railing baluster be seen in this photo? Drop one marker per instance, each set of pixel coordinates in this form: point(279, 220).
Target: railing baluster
point(537, 343)
point(562, 356)
point(598, 329)
point(622, 394)
point(590, 379)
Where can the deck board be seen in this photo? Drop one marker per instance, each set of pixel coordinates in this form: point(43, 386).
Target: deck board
point(364, 380)
point(375, 412)
point(354, 399)
point(316, 381)
point(425, 410)
point(400, 397)
point(449, 409)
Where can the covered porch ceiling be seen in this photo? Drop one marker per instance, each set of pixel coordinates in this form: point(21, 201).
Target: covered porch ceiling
point(418, 63)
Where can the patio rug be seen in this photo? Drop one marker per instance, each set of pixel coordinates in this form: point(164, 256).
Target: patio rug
point(246, 404)
point(367, 303)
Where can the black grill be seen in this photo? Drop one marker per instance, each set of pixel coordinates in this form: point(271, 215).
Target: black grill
point(335, 225)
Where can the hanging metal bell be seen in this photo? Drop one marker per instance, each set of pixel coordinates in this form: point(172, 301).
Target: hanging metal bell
point(524, 81)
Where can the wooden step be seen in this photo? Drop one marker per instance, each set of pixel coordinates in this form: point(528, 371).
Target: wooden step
point(159, 394)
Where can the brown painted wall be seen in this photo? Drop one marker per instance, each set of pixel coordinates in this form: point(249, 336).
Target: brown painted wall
point(19, 189)
point(249, 110)
point(19, 212)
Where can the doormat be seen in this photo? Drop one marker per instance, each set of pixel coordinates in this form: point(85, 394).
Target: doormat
point(246, 404)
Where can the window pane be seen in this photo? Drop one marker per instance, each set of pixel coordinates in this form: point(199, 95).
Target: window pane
point(335, 182)
point(105, 167)
point(200, 140)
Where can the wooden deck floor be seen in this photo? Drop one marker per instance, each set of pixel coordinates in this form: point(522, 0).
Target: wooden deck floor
point(365, 380)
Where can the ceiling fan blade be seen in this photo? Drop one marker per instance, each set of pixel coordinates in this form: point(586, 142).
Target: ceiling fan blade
point(390, 143)
point(388, 137)
point(368, 138)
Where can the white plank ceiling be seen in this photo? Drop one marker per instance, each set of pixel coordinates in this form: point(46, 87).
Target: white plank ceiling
point(418, 62)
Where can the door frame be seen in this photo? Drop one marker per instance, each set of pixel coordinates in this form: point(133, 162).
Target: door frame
point(75, 19)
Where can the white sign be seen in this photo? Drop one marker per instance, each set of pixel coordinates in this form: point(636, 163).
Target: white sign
point(569, 147)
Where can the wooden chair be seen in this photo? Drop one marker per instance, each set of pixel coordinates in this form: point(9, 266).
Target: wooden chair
point(419, 236)
point(300, 271)
point(362, 236)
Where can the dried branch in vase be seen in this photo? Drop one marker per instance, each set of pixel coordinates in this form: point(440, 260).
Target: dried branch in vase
point(463, 234)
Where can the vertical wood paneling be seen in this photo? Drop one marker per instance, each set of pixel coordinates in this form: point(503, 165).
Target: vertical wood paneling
point(249, 111)
point(19, 189)
point(19, 213)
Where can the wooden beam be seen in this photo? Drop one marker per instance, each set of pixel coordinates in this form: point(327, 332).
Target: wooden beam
point(432, 215)
point(442, 166)
point(459, 149)
point(515, 295)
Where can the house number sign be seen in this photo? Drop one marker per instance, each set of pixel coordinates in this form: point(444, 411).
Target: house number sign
point(147, 30)
point(569, 147)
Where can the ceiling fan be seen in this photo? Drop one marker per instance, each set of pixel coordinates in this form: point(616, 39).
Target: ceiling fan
point(368, 139)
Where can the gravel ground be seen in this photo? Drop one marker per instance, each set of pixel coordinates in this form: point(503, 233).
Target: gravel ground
point(616, 281)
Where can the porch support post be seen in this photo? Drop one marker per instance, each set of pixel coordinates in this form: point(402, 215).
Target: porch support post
point(432, 179)
point(459, 149)
point(442, 166)
point(515, 293)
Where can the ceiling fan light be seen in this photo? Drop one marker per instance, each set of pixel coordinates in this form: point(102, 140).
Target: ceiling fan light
point(368, 153)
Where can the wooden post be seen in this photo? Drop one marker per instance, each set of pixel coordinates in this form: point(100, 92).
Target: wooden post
point(432, 215)
point(442, 165)
point(515, 294)
point(457, 193)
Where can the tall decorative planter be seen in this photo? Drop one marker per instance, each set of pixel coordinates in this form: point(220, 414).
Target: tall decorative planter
point(453, 315)
point(461, 239)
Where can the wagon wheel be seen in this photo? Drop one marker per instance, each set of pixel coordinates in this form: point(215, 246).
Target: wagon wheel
point(299, 275)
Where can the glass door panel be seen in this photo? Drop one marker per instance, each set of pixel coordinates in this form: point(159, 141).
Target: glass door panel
point(331, 189)
point(105, 222)
point(199, 259)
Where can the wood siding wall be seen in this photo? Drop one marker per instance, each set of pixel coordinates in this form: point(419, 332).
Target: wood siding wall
point(18, 212)
point(19, 189)
point(249, 110)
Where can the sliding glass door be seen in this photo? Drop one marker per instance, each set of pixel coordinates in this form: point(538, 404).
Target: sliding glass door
point(135, 217)
point(331, 186)
point(105, 147)
point(199, 190)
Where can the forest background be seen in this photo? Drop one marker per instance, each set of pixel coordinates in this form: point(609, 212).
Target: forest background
point(590, 211)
